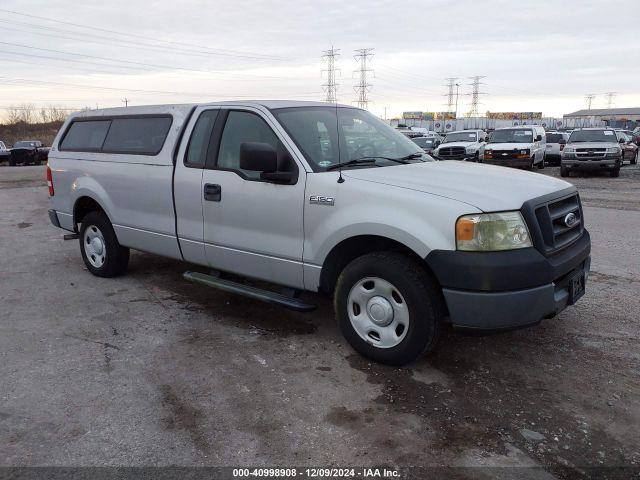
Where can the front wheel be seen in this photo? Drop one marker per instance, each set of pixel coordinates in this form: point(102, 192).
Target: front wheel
point(541, 165)
point(634, 160)
point(388, 307)
point(101, 252)
point(615, 171)
point(564, 171)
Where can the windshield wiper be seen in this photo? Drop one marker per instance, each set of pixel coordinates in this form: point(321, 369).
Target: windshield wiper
point(410, 156)
point(355, 161)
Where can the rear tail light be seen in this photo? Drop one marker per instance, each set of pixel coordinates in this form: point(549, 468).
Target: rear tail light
point(50, 181)
point(561, 147)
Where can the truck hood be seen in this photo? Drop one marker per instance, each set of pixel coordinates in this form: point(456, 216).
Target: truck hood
point(507, 146)
point(487, 187)
point(456, 144)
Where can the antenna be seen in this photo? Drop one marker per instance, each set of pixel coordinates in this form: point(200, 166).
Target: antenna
point(362, 56)
point(331, 87)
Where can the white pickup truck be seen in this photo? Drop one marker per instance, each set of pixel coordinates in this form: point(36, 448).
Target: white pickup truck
point(327, 198)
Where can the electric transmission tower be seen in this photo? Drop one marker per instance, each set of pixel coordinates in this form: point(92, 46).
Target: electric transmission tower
point(611, 98)
point(589, 97)
point(363, 87)
point(331, 87)
point(475, 95)
point(450, 95)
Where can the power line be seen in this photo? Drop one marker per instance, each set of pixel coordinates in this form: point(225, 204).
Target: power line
point(363, 87)
point(223, 52)
point(451, 83)
point(475, 95)
point(589, 99)
point(331, 87)
point(611, 98)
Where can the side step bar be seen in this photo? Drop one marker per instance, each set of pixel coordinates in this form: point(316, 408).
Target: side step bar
point(291, 303)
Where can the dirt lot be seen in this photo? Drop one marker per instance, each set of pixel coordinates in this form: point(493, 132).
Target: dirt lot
point(150, 370)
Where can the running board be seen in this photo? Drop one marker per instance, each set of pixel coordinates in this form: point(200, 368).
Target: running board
point(251, 292)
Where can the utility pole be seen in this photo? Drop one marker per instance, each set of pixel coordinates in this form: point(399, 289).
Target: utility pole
point(363, 87)
point(475, 95)
point(451, 82)
point(589, 99)
point(125, 101)
point(610, 98)
point(331, 87)
point(457, 90)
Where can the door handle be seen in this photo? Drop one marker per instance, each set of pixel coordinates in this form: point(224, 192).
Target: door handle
point(212, 192)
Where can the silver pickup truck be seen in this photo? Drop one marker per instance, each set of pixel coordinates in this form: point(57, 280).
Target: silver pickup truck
point(327, 198)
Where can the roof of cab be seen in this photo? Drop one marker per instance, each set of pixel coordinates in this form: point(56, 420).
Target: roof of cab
point(185, 107)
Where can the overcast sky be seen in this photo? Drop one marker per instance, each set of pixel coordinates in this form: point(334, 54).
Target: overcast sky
point(536, 55)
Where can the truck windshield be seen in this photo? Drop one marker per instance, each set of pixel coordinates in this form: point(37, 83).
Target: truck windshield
point(424, 142)
point(24, 145)
point(511, 136)
point(355, 135)
point(461, 137)
point(593, 136)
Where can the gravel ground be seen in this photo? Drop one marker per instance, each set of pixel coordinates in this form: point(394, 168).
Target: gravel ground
point(148, 370)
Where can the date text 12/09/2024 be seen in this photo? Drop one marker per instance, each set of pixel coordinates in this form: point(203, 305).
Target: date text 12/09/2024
point(316, 472)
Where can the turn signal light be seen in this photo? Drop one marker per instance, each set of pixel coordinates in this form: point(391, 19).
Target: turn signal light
point(50, 181)
point(465, 229)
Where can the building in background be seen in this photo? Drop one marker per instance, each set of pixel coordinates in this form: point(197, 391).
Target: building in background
point(599, 117)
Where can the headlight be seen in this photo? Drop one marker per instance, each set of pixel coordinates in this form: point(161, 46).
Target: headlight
point(569, 150)
point(614, 150)
point(488, 232)
point(524, 152)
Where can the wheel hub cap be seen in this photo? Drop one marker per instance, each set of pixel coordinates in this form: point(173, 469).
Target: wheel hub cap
point(97, 245)
point(380, 311)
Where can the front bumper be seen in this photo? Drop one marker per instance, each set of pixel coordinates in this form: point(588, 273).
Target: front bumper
point(510, 289)
point(590, 164)
point(510, 309)
point(510, 162)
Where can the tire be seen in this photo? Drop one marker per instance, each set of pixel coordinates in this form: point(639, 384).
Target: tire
point(104, 257)
point(615, 171)
point(564, 172)
point(541, 165)
point(408, 292)
point(634, 160)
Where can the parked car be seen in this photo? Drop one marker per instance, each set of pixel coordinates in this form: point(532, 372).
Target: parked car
point(461, 145)
point(629, 148)
point(555, 144)
point(428, 144)
point(28, 152)
point(402, 243)
point(4, 152)
point(593, 149)
point(516, 147)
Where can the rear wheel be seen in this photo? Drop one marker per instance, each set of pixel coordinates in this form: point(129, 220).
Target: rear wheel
point(101, 252)
point(388, 307)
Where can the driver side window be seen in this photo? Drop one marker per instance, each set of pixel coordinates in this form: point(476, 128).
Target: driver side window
point(243, 127)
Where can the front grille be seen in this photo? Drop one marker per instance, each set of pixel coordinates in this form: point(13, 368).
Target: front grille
point(552, 219)
point(590, 153)
point(452, 152)
point(504, 154)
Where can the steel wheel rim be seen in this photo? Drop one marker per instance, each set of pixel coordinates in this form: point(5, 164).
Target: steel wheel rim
point(95, 247)
point(378, 312)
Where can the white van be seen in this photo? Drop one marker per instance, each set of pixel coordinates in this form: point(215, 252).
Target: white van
point(522, 147)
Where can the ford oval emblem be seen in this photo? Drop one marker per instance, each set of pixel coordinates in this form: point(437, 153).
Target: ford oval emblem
point(571, 220)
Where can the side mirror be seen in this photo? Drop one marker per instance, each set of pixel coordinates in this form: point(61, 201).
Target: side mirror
point(621, 140)
point(258, 157)
point(539, 138)
point(562, 141)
